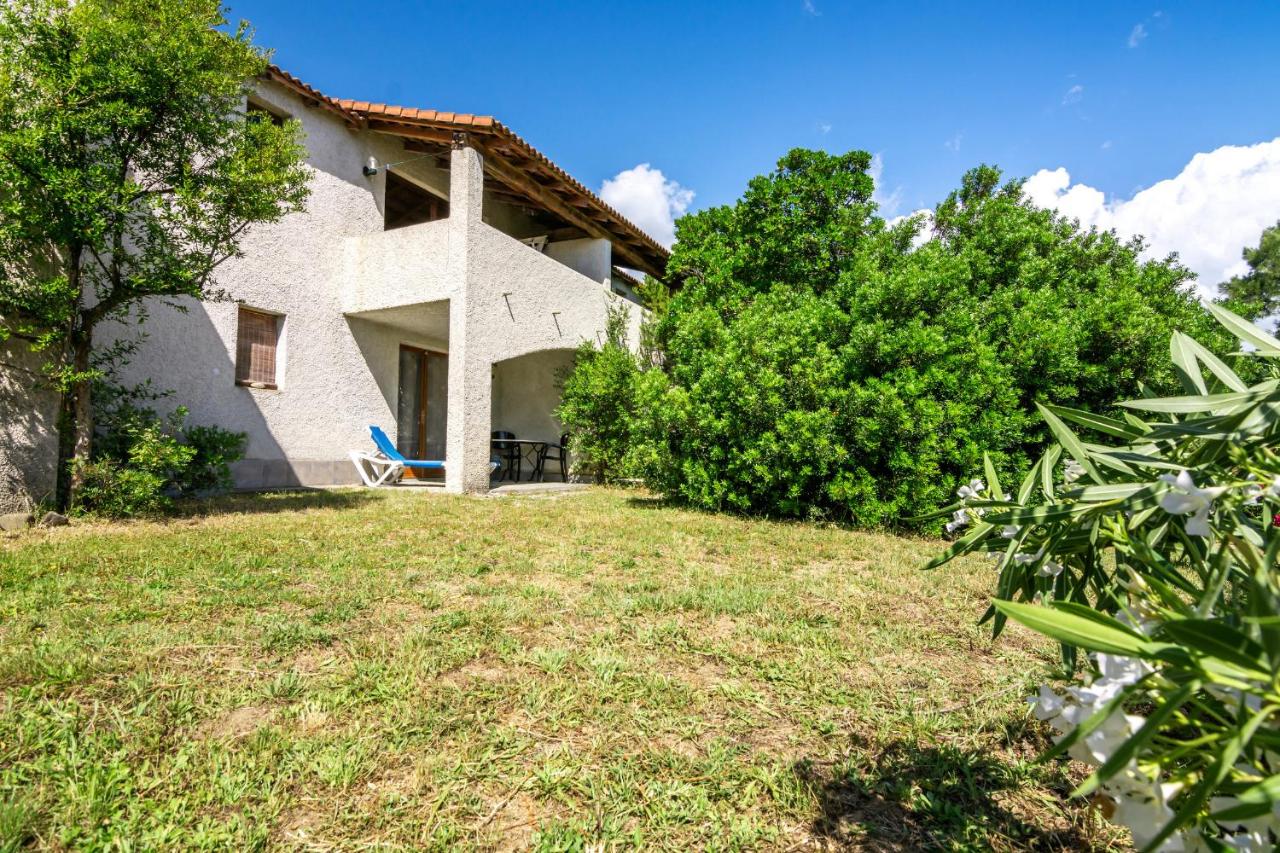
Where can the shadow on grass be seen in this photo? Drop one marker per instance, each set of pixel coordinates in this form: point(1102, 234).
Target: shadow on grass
point(908, 797)
point(901, 530)
point(291, 500)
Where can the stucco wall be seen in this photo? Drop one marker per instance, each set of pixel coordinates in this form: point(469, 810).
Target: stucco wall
point(592, 258)
point(528, 301)
point(526, 392)
point(28, 431)
point(400, 267)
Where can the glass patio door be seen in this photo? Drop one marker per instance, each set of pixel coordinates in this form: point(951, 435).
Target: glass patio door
point(423, 407)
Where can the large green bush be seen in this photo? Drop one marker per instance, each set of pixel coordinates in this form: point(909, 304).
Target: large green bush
point(817, 361)
point(1154, 547)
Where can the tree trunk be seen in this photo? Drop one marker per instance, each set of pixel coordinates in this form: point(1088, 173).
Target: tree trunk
point(81, 410)
point(66, 449)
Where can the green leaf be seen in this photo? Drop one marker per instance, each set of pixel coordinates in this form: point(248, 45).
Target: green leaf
point(1204, 402)
point(1216, 365)
point(1197, 797)
point(1103, 457)
point(1144, 461)
point(1077, 625)
point(1099, 423)
point(1070, 443)
point(993, 480)
point(1246, 331)
point(1029, 482)
point(1255, 801)
point(1109, 492)
point(1041, 514)
point(1213, 638)
point(1047, 464)
point(1184, 364)
point(960, 546)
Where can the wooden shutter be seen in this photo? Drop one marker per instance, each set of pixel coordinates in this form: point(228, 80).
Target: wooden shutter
point(256, 342)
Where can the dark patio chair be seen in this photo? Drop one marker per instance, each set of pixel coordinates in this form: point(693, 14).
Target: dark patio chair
point(507, 452)
point(555, 453)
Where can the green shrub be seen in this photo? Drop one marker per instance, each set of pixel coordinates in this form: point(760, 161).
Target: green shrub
point(598, 402)
point(209, 470)
point(112, 490)
point(141, 462)
point(1155, 549)
point(820, 362)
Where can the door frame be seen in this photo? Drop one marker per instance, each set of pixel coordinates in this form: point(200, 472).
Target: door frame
point(421, 353)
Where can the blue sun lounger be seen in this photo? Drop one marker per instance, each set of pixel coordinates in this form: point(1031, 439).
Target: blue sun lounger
point(387, 465)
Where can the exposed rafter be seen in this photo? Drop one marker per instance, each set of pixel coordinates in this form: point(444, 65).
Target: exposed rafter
point(548, 199)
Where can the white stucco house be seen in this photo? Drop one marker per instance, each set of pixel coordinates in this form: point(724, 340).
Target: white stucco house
point(436, 285)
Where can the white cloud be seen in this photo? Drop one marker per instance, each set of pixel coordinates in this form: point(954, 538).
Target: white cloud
point(811, 9)
point(1219, 203)
point(649, 199)
point(824, 127)
point(926, 225)
point(1104, 146)
point(953, 144)
point(1136, 36)
point(890, 203)
point(1074, 95)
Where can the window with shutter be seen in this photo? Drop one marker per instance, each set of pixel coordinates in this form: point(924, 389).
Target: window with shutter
point(257, 339)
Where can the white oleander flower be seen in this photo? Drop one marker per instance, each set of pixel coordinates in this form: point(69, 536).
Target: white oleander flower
point(1245, 830)
point(1023, 559)
point(1049, 569)
point(973, 489)
point(1188, 499)
point(1248, 842)
point(959, 519)
point(1144, 809)
point(1046, 704)
point(1010, 531)
point(1101, 743)
point(1253, 491)
point(1275, 487)
point(1123, 670)
point(1072, 471)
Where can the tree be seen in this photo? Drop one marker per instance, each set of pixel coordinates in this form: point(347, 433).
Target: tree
point(129, 173)
point(1257, 293)
point(818, 361)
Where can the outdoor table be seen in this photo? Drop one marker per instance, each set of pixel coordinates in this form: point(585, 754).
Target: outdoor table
point(530, 449)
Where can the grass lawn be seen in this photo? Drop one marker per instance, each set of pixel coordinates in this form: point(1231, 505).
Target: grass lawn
point(391, 670)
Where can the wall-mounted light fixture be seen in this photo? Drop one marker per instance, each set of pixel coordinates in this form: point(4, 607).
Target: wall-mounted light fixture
point(372, 168)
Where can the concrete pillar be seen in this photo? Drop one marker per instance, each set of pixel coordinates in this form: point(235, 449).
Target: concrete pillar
point(467, 449)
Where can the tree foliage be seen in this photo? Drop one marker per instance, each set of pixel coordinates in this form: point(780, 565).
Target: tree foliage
point(1257, 293)
point(820, 361)
point(128, 172)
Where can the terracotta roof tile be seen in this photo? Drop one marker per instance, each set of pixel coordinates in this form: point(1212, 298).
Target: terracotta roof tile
point(359, 112)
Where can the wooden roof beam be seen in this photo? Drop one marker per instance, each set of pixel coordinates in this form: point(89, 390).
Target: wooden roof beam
point(552, 202)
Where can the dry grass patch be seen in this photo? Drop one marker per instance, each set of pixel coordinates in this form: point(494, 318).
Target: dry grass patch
point(416, 671)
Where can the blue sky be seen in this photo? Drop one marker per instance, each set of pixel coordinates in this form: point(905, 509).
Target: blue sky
point(1121, 95)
